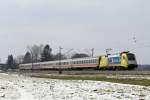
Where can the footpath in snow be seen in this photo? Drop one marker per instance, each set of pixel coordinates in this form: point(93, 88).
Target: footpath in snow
point(15, 87)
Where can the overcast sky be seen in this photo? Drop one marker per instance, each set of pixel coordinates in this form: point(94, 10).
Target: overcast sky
point(78, 24)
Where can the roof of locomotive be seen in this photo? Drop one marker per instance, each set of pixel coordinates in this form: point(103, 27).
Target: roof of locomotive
point(117, 54)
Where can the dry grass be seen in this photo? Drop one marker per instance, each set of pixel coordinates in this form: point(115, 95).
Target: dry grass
point(143, 82)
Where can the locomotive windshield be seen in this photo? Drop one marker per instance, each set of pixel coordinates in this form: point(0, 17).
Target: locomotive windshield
point(131, 56)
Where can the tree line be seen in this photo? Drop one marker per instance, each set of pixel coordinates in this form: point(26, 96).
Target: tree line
point(38, 53)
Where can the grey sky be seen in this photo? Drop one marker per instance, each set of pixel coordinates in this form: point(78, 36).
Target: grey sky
point(79, 24)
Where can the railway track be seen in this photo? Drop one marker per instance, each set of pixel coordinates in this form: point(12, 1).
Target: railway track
point(89, 72)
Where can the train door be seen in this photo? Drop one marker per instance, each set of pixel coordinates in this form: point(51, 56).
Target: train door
point(124, 60)
point(103, 62)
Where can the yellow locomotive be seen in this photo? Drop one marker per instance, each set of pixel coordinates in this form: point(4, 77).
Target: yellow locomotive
point(123, 60)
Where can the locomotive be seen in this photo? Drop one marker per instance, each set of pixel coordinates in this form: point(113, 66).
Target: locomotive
point(123, 60)
point(118, 61)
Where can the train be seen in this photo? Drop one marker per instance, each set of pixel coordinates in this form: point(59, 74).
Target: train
point(118, 61)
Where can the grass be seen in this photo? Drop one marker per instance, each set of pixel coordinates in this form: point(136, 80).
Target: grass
point(143, 82)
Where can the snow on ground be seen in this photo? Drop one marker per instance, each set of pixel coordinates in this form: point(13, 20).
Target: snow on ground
point(15, 87)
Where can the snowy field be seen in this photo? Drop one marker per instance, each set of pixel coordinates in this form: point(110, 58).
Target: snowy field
point(15, 87)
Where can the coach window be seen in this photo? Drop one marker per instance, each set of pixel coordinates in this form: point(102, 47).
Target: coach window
point(91, 61)
point(87, 61)
point(79, 62)
point(94, 61)
point(82, 61)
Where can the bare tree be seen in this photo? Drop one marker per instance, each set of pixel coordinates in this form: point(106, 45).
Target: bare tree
point(79, 55)
point(35, 51)
point(19, 59)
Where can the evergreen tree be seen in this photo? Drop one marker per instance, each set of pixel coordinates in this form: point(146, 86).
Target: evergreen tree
point(27, 58)
point(11, 62)
point(46, 54)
